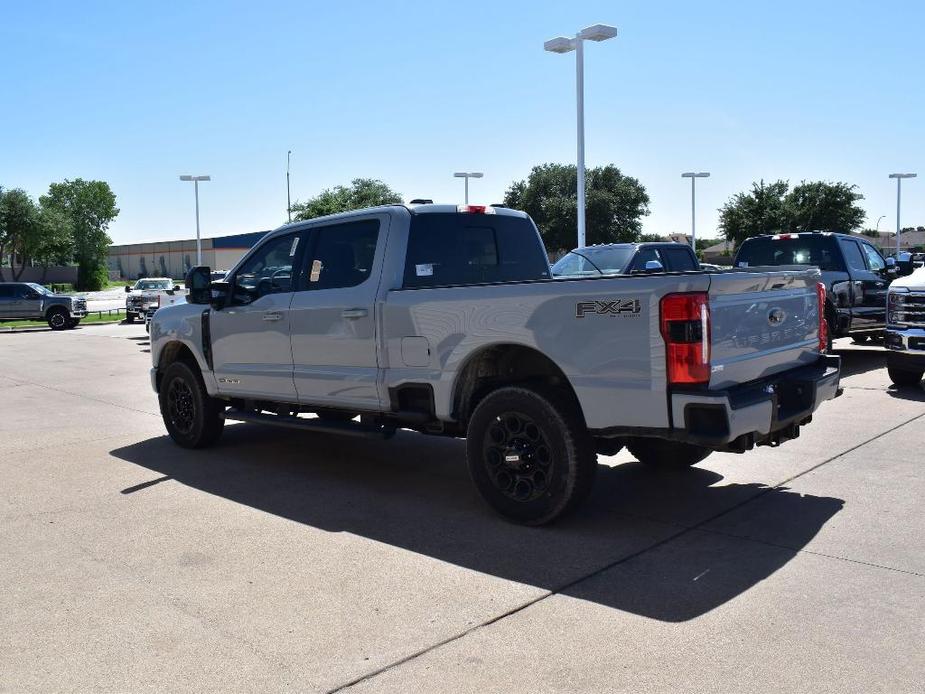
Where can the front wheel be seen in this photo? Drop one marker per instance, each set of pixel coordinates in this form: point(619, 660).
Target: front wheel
point(193, 419)
point(73, 322)
point(129, 317)
point(529, 454)
point(666, 454)
point(58, 319)
point(905, 378)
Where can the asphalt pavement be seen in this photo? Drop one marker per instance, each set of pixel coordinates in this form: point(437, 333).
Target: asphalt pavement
point(283, 560)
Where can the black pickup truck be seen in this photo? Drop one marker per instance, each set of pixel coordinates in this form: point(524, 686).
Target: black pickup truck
point(855, 274)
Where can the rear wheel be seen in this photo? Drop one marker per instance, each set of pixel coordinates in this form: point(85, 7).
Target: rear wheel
point(193, 419)
point(529, 454)
point(58, 319)
point(667, 454)
point(905, 378)
point(73, 322)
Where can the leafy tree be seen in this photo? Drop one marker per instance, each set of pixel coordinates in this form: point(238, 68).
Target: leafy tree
point(91, 207)
point(18, 228)
point(650, 238)
point(615, 204)
point(759, 211)
point(54, 240)
point(873, 233)
point(822, 206)
point(362, 192)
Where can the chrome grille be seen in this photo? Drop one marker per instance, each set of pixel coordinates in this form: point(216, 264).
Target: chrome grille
point(907, 309)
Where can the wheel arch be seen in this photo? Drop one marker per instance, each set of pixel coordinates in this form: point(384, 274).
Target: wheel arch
point(505, 364)
point(172, 352)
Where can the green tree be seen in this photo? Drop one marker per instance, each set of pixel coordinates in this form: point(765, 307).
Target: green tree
point(54, 241)
point(91, 207)
point(823, 206)
point(362, 192)
point(759, 211)
point(615, 204)
point(19, 226)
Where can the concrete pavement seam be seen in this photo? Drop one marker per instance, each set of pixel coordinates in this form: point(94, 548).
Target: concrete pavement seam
point(81, 395)
point(611, 565)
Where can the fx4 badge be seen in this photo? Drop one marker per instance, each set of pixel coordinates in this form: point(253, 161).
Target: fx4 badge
point(617, 307)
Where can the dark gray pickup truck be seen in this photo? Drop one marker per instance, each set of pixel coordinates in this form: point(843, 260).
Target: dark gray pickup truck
point(28, 301)
point(447, 320)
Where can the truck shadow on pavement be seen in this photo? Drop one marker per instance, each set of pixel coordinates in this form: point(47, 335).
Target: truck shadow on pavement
point(640, 544)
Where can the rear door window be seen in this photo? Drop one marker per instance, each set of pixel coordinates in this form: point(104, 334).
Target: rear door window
point(679, 259)
point(342, 254)
point(452, 249)
point(643, 256)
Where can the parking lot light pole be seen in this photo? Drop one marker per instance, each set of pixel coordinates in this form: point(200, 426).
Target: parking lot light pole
point(563, 44)
point(195, 180)
point(467, 176)
point(288, 197)
point(694, 176)
point(899, 193)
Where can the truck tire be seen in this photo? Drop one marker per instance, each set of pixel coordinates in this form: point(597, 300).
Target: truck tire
point(529, 454)
point(905, 378)
point(58, 319)
point(129, 317)
point(73, 323)
point(193, 419)
point(667, 454)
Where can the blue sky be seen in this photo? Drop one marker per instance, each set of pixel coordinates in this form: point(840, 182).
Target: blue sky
point(138, 93)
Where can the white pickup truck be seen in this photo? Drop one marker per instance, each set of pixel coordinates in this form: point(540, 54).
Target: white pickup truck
point(447, 320)
point(905, 329)
point(148, 293)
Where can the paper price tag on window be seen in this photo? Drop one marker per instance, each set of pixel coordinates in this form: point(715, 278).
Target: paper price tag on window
point(424, 270)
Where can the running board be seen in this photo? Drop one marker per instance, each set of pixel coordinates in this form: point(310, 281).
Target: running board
point(347, 428)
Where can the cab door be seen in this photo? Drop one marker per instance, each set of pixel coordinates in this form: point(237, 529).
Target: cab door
point(251, 353)
point(333, 316)
point(27, 302)
point(871, 284)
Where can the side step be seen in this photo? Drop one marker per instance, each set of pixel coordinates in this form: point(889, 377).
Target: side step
point(347, 428)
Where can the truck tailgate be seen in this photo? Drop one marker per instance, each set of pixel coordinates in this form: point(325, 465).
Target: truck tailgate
point(762, 323)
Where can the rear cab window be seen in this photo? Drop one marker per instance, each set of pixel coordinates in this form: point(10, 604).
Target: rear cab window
point(793, 249)
point(446, 249)
point(680, 259)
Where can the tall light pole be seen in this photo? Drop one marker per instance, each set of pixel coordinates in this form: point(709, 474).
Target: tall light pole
point(195, 180)
point(694, 176)
point(288, 198)
point(877, 228)
point(899, 193)
point(563, 44)
point(467, 175)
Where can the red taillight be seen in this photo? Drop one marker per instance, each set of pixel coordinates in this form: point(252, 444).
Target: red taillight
point(475, 209)
point(823, 323)
point(685, 325)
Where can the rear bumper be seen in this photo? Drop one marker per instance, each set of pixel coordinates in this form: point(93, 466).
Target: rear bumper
point(765, 412)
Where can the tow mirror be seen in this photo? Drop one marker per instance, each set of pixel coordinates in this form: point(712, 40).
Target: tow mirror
point(199, 279)
point(127, 289)
point(654, 266)
point(218, 294)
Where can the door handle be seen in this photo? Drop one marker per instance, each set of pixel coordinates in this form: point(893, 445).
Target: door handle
point(272, 316)
point(354, 313)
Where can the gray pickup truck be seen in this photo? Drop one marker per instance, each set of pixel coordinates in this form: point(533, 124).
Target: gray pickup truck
point(446, 320)
point(30, 301)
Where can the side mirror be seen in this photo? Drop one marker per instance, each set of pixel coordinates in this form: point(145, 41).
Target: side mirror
point(199, 280)
point(654, 266)
point(127, 289)
point(890, 263)
point(218, 294)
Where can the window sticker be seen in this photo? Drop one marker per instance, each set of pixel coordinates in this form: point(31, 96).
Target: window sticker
point(424, 269)
point(295, 244)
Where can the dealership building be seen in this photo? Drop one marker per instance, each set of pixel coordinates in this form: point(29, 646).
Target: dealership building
point(174, 258)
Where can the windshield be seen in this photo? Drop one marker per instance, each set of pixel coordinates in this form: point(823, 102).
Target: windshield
point(587, 262)
point(40, 289)
point(149, 285)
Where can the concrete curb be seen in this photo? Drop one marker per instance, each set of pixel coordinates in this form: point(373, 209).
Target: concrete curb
point(46, 329)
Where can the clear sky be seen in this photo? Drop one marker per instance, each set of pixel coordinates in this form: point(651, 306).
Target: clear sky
point(137, 93)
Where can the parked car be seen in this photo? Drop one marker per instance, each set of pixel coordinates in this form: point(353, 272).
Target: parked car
point(446, 320)
point(855, 274)
point(144, 294)
point(625, 259)
point(29, 301)
point(905, 330)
